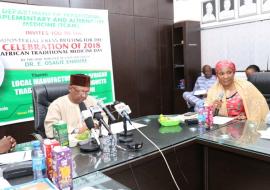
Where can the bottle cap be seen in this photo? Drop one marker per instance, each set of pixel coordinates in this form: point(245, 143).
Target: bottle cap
point(35, 143)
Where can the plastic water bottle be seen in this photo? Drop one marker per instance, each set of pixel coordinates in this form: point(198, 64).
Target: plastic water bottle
point(201, 116)
point(38, 161)
point(209, 117)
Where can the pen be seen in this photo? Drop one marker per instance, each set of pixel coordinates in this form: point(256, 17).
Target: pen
point(24, 155)
point(120, 147)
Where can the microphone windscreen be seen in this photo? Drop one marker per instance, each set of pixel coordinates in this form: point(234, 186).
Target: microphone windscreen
point(98, 116)
point(82, 106)
point(106, 110)
point(220, 97)
point(88, 120)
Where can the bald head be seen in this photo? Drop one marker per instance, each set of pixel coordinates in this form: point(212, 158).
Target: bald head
point(207, 71)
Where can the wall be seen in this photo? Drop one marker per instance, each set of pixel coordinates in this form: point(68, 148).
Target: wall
point(140, 34)
point(245, 44)
point(245, 40)
point(187, 10)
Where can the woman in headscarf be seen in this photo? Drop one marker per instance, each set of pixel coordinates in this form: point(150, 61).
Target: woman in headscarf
point(236, 97)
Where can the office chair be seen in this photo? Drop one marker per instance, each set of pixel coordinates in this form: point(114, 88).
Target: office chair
point(43, 95)
point(262, 80)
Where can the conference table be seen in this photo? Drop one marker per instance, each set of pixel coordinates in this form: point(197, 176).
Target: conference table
point(236, 157)
point(229, 156)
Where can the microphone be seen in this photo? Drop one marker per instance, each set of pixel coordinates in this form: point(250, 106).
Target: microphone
point(87, 116)
point(96, 112)
point(94, 143)
point(220, 96)
point(123, 110)
point(105, 109)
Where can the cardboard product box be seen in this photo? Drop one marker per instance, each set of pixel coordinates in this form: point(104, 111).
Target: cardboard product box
point(48, 145)
point(62, 167)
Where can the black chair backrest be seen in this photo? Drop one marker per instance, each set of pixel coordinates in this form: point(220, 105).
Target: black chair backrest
point(262, 82)
point(43, 95)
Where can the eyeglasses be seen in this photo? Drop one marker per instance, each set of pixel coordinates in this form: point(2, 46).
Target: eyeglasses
point(81, 91)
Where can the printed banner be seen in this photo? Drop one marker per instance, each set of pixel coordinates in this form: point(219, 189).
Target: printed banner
point(41, 45)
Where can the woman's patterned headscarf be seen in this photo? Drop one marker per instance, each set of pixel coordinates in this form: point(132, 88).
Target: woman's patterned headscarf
point(223, 64)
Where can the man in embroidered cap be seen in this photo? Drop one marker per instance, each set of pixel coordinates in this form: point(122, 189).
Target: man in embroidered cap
point(66, 108)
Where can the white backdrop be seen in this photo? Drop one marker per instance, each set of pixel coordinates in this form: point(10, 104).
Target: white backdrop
point(244, 44)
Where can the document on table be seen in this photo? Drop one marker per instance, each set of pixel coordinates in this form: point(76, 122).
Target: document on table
point(218, 120)
point(15, 157)
point(200, 92)
point(183, 117)
point(4, 183)
point(118, 127)
point(265, 134)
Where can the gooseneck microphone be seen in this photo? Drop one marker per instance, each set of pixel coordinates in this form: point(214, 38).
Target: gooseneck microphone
point(105, 109)
point(219, 98)
point(96, 112)
point(87, 116)
point(123, 110)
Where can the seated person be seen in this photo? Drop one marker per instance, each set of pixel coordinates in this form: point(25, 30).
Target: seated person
point(251, 69)
point(66, 108)
point(203, 83)
point(7, 143)
point(241, 99)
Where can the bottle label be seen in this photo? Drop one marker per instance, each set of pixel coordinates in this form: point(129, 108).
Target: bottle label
point(38, 163)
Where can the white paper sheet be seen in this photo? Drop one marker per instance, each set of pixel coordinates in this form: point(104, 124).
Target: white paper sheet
point(218, 120)
point(15, 157)
point(265, 134)
point(182, 117)
point(4, 183)
point(118, 127)
point(200, 92)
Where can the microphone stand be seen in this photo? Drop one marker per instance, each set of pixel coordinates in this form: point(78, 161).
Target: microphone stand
point(100, 130)
point(125, 136)
point(92, 145)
